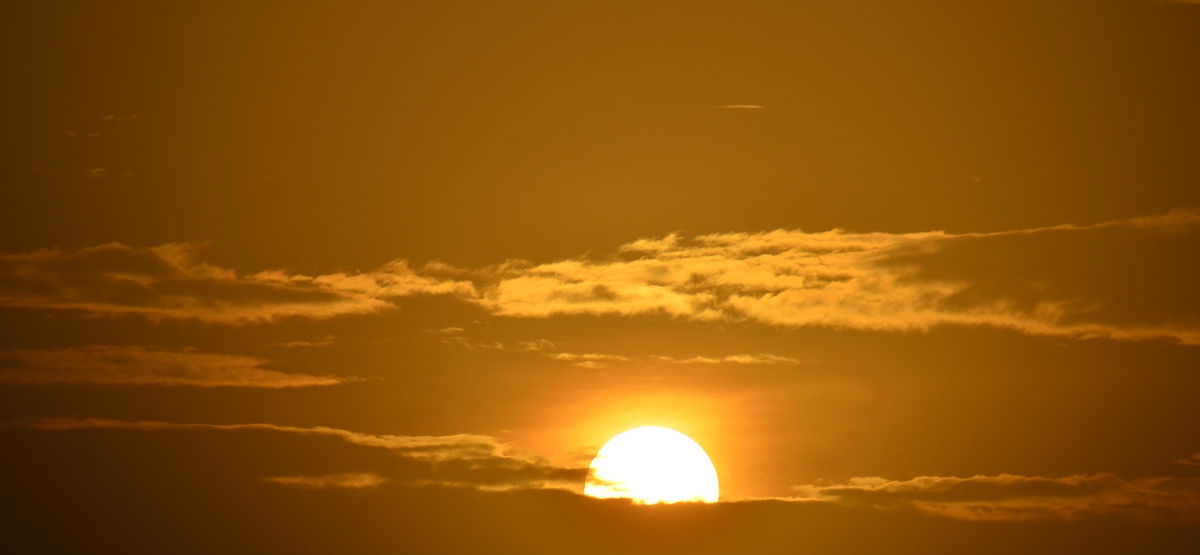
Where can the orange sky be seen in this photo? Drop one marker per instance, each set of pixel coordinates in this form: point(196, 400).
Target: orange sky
point(384, 276)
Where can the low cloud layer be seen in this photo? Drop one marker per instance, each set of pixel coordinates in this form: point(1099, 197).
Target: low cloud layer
point(134, 365)
point(463, 460)
point(170, 281)
point(1018, 498)
point(484, 463)
point(1131, 279)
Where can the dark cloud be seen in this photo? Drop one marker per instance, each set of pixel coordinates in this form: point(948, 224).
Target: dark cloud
point(483, 463)
point(135, 365)
point(1009, 497)
point(351, 480)
point(464, 460)
point(1193, 460)
point(170, 281)
point(1126, 279)
point(322, 342)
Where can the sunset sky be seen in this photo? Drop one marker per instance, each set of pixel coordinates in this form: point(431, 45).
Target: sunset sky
point(383, 277)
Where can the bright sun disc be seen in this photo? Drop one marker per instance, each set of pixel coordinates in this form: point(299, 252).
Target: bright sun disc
point(652, 465)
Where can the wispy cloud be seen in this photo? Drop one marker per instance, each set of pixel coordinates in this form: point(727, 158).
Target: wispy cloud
point(543, 347)
point(323, 342)
point(537, 345)
point(1193, 460)
point(1120, 280)
point(344, 480)
point(135, 365)
point(430, 447)
point(170, 281)
point(588, 360)
point(585, 356)
point(464, 460)
point(760, 358)
point(1010, 497)
point(548, 349)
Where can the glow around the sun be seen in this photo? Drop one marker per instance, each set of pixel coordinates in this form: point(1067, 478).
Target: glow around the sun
point(653, 465)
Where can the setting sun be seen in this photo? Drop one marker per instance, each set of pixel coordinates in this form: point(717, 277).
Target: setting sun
point(653, 465)
point(640, 277)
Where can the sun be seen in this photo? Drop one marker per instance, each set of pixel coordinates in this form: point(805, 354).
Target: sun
point(652, 465)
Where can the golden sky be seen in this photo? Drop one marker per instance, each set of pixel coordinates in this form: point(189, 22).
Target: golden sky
point(382, 277)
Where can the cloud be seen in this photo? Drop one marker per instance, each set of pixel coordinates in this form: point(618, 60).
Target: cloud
point(540, 346)
point(587, 360)
point(463, 460)
point(760, 358)
point(456, 446)
point(323, 342)
point(1018, 498)
point(484, 463)
point(134, 365)
point(344, 480)
point(741, 107)
point(585, 356)
point(170, 281)
point(1193, 460)
point(1123, 280)
point(537, 345)
point(1129, 279)
point(546, 348)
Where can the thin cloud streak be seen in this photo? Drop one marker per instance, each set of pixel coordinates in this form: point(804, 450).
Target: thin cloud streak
point(1193, 460)
point(586, 356)
point(146, 366)
point(430, 447)
point(171, 282)
point(760, 358)
point(344, 480)
point(546, 348)
point(462, 460)
point(1008, 497)
point(323, 342)
point(588, 360)
point(540, 347)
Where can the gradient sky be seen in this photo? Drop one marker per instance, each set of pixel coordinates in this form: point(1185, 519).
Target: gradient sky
point(360, 277)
